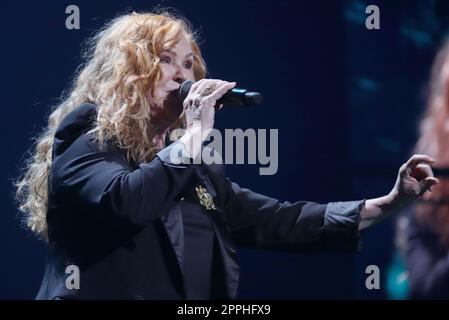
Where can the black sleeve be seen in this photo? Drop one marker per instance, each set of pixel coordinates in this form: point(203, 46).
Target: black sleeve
point(264, 222)
point(105, 182)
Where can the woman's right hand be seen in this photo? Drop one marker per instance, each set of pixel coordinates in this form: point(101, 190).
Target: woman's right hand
point(199, 108)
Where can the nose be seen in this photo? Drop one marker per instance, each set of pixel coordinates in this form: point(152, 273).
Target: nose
point(179, 79)
point(179, 75)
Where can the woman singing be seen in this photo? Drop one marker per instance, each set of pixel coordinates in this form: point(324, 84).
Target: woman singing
point(109, 196)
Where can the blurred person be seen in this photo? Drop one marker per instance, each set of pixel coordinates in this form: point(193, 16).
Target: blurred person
point(425, 228)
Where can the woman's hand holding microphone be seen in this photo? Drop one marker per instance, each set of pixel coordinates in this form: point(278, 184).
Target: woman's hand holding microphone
point(199, 108)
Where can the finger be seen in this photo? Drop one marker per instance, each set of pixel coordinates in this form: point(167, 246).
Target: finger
point(220, 91)
point(208, 82)
point(426, 168)
point(195, 86)
point(188, 102)
point(419, 158)
point(199, 86)
point(421, 171)
point(426, 184)
point(431, 181)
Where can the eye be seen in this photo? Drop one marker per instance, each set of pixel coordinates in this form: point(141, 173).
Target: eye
point(165, 59)
point(188, 65)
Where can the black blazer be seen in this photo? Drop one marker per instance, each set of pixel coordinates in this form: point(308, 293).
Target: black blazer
point(121, 223)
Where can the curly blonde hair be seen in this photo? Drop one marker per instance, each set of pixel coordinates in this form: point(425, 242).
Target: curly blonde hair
point(119, 74)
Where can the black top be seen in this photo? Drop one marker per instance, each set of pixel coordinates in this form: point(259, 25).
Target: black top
point(198, 250)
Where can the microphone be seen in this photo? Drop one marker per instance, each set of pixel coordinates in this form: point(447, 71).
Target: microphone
point(236, 96)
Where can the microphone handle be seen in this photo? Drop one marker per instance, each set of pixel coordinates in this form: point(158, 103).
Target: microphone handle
point(236, 96)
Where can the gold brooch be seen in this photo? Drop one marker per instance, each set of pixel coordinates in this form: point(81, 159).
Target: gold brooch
point(205, 198)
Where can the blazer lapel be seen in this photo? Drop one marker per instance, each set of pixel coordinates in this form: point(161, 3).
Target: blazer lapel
point(174, 227)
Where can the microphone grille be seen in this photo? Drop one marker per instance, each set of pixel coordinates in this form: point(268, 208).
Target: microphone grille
point(184, 89)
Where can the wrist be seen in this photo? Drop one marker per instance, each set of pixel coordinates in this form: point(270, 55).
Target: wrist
point(376, 209)
point(398, 200)
point(192, 141)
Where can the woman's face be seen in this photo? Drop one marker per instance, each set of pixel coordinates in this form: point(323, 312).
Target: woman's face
point(177, 66)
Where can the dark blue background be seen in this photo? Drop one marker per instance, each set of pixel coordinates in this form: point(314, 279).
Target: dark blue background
point(346, 101)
